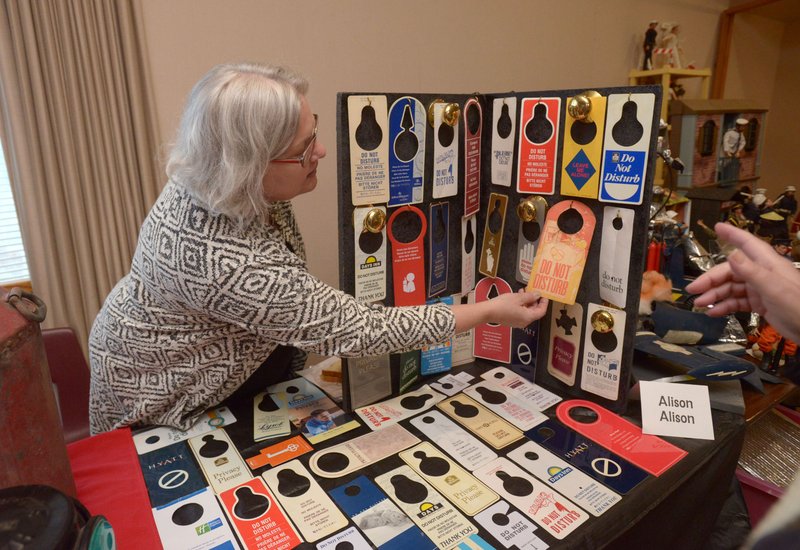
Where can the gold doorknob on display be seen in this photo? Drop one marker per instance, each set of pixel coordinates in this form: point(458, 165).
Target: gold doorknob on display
point(375, 220)
point(451, 113)
point(580, 106)
point(526, 210)
point(602, 321)
point(433, 104)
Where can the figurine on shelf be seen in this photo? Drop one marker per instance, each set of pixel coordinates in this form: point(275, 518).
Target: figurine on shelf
point(669, 49)
point(772, 349)
point(733, 143)
point(786, 204)
point(649, 44)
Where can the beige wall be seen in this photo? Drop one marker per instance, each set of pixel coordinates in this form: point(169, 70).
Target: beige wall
point(456, 46)
point(782, 138)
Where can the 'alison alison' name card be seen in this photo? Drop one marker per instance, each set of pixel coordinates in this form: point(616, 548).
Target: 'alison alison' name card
point(679, 410)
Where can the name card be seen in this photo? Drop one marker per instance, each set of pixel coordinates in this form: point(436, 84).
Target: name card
point(679, 410)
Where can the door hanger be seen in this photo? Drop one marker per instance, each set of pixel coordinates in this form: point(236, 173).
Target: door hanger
point(463, 341)
point(592, 459)
point(468, 240)
point(602, 351)
point(306, 504)
point(583, 145)
point(437, 358)
point(566, 326)
point(531, 212)
point(615, 254)
point(408, 256)
point(473, 127)
point(369, 149)
point(504, 116)
point(407, 122)
point(438, 247)
point(257, 516)
point(649, 452)
point(536, 172)
point(361, 500)
point(629, 120)
point(561, 256)
point(445, 149)
point(370, 253)
point(493, 235)
point(492, 341)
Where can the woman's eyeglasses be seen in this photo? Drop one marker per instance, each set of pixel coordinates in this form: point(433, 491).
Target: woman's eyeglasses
point(303, 159)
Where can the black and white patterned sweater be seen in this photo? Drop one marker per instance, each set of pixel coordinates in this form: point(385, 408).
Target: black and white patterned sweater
point(206, 302)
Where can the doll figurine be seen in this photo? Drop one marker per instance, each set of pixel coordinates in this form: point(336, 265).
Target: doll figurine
point(649, 44)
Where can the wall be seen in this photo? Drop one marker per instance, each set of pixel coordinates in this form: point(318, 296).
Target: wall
point(456, 46)
point(782, 139)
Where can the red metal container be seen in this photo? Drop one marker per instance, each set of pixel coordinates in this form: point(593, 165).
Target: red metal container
point(32, 449)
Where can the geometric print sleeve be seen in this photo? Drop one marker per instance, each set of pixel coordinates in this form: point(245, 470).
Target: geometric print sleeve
point(251, 280)
point(290, 306)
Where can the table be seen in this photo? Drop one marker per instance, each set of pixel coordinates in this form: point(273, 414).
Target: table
point(676, 510)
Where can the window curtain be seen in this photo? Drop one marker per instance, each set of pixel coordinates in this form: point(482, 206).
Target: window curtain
point(78, 130)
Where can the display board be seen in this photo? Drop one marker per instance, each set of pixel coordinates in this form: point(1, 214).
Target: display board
point(462, 197)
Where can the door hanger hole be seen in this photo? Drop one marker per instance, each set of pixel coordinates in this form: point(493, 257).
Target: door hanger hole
point(584, 415)
point(407, 226)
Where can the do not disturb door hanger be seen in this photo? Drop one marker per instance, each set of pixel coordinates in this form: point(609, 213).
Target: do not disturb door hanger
point(538, 138)
point(561, 257)
point(627, 139)
point(407, 121)
point(407, 227)
point(369, 149)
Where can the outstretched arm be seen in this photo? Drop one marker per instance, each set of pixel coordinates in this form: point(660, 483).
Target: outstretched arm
point(517, 310)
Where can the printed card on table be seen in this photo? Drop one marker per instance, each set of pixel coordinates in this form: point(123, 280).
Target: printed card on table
point(219, 459)
point(454, 440)
point(432, 513)
point(309, 507)
point(391, 411)
point(494, 430)
point(377, 517)
point(552, 511)
point(270, 416)
point(520, 413)
point(597, 462)
point(258, 518)
point(279, 453)
point(171, 473)
point(516, 385)
point(313, 412)
point(161, 436)
point(570, 482)
point(354, 454)
point(194, 523)
point(510, 528)
point(459, 486)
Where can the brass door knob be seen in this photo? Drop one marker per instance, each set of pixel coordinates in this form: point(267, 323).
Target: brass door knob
point(526, 210)
point(602, 321)
point(375, 220)
point(580, 106)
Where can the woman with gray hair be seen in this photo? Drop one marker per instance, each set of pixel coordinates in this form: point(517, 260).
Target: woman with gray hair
point(218, 300)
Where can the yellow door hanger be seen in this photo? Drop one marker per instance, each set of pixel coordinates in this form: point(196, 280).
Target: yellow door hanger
point(583, 145)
